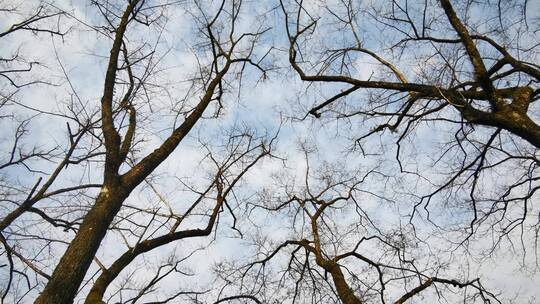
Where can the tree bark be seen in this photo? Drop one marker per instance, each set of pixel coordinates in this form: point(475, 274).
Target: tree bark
point(345, 293)
point(73, 265)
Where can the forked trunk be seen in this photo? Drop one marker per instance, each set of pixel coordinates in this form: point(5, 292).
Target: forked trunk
point(72, 268)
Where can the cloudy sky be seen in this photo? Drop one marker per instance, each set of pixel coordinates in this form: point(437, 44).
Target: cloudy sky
point(69, 71)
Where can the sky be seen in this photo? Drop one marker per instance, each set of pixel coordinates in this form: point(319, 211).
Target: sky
point(273, 105)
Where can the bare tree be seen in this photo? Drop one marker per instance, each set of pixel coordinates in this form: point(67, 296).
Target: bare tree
point(243, 154)
point(463, 77)
point(111, 190)
point(342, 249)
point(110, 138)
point(456, 86)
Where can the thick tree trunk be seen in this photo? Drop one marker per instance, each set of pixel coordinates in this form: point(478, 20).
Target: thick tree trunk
point(69, 274)
point(345, 293)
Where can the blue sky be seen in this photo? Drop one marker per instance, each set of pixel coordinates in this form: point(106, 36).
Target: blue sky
point(76, 66)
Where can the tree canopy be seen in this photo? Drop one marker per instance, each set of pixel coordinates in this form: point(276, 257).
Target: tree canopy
point(347, 151)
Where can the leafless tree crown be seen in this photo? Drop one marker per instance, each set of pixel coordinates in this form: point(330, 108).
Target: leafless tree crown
point(286, 151)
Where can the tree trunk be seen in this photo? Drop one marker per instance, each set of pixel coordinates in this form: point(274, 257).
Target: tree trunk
point(345, 293)
point(69, 274)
